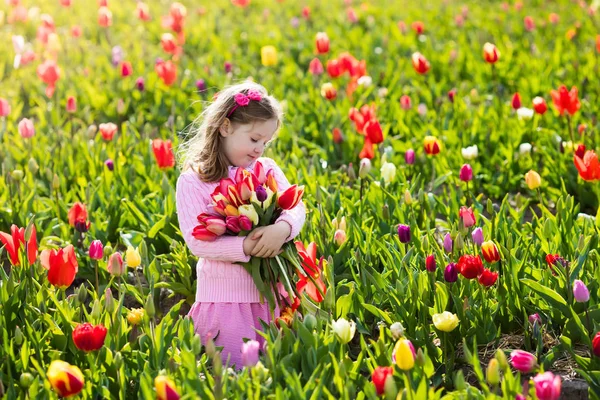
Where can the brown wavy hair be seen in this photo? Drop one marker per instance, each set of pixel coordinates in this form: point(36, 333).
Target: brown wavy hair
point(202, 151)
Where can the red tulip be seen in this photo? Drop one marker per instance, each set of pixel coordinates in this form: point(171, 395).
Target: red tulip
point(373, 131)
point(337, 135)
point(165, 388)
point(71, 104)
point(490, 53)
point(142, 11)
point(430, 264)
point(539, 105)
point(289, 198)
point(163, 153)
point(580, 151)
point(516, 101)
point(418, 27)
point(488, 278)
point(333, 68)
point(76, 31)
point(49, 73)
point(104, 17)
point(78, 217)
point(322, 43)
point(168, 43)
point(490, 252)
point(380, 376)
point(12, 243)
point(312, 272)
point(66, 380)
point(61, 265)
point(108, 130)
point(315, 67)
point(309, 258)
point(553, 18)
point(470, 266)
point(126, 69)
point(588, 166)
point(420, 63)
point(596, 344)
point(167, 71)
point(565, 100)
point(305, 284)
point(88, 337)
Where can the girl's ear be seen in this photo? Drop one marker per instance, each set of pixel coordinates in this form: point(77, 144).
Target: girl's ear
point(225, 129)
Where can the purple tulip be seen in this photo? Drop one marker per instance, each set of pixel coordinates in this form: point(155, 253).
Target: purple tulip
point(116, 55)
point(96, 251)
point(533, 318)
point(140, 84)
point(477, 236)
point(261, 193)
point(201, 85)
point(451, 273)
point(404, 233)
point(109, 164)
point(580, 291)
point(250, 353)
point(448, 243)
point(228, 67)
point(409, 156)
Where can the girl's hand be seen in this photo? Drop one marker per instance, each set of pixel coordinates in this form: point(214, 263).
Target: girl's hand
point(270, 239)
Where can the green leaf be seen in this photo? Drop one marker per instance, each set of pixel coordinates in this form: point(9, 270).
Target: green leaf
point(553, 298)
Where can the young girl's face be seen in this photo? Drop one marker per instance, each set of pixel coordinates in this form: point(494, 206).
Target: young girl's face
point(244, 143)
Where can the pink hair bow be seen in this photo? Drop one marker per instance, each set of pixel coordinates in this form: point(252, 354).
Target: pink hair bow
point(242, 100)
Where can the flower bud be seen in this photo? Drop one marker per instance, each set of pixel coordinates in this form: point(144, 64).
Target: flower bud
point(96, 309)
point(409, 156)
point(397, 330)
point(365, 167)
point(149, 307)
point(18, 336)
point(33, 166)
point(109, 301)
point(55, 182)
point(310, 322)
point(493, 372)
point(25, 380)
point(82, 294)
point(340, 237)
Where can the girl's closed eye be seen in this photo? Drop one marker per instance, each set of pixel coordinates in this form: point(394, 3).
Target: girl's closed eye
point(254, 141)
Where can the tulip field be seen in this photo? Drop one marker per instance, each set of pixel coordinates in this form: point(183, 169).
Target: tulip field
point(447, 152)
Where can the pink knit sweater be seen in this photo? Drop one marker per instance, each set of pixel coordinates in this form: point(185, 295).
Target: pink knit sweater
point(219, 279)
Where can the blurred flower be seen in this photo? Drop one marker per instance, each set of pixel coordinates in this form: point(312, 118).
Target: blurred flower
point(104, 17)
point(140, 84)
point(339, 237)
point(420, 63)
point(588, 166)
point(108, 130)
point(422, 109)
point(525, 113)
point(380, 376)
point(132, 257)
point(328, 91)
point(523, 361)
point(580, 291)
point(470, 153)
point(451, 273)
point(163, 153)
point(404, 354)
point(467, 216)
point(490, 53)
point(116, 55)
point(477, 236)
point(553, 18)
point(88, 337)
point(492, 372)
point(71, 104)
point(250, 353)
point(167, 71)
point(529, 23)
point(115, 264)
point(142, 11)
point(470, 266)
point(315, 67)
point(12, 244)
point(61, 265)
point(596, 345)
point(407, 197)
point(431, 145)
point(565, 100)
point(490, 252)
point(78, 217)
point(365, 81)
point(524, 149)
point(547, 386)
point(351, 14)
point(452, 95)
point(168, 43)
point(388, 172)
point(337, 135)
point(227, 66)
point(539, 105)
point(488, 278)
point(334, 68)
point(339, 225)
point(76, 31)
point(364, 167)
point(66, 379)
point(445, 322)
point(466, 173)
point(268, 56)
point(533, 180)
point(201, 85)
point(322, 43)
point(418, 27)
point(409, 156)
point(516, 101)
point(405, 102)
point(26, 128)
point(109, 164)
point(165, 388)
point(135, 316)
point(49, 73)
point(4, 107)
point(344, 330)
point(404, 233)
point(448, 243)
point(430, 264)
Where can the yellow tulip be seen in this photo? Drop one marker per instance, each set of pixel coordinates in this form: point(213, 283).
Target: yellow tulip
point(132, 257)
point(66, 379)
point(404, 355)
point(249, 211)
point(268, 56)
point(445, 322)
point(134, 317)
point(533, 180)
point(165, 388)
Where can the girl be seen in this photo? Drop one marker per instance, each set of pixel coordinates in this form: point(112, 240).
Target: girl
point(236, 127)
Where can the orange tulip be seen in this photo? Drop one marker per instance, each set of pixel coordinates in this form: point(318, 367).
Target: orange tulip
point(12, 243)
point(418, 27)
point(49, 73)
point(565, 100)
point(431, 145)
point(167, 71)
point(290, 197)
point(420, 63)
point(104, 17)
point(163, 152)
point(61, 265)
point(589, 166)
point(490, 53)
point(66, 380)
point(78, 217)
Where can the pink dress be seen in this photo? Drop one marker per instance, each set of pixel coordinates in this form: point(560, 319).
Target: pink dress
point(227, 302)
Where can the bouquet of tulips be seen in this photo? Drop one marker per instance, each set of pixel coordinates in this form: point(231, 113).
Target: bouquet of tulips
point(248, 201)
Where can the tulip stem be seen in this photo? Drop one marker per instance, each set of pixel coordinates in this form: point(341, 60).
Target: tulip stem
point(570, 129)
point(589, 322)
point(97, 281)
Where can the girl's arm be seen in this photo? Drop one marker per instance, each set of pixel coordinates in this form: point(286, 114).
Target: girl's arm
point(297, 215)
point(192, 200)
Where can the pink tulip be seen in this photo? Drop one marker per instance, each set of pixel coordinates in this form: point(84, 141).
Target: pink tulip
point(580, 291)
point(115, 264)
point(245, 223)
point(547, 386)
point(201, 233)
point(233, 223)
point(96, 251)
point(250, 353)
point(340, 237)
point(71, 104)
point(405, 102)
point(4, 107)
point(523, 361)
point(466, 173)
point(26, 128)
